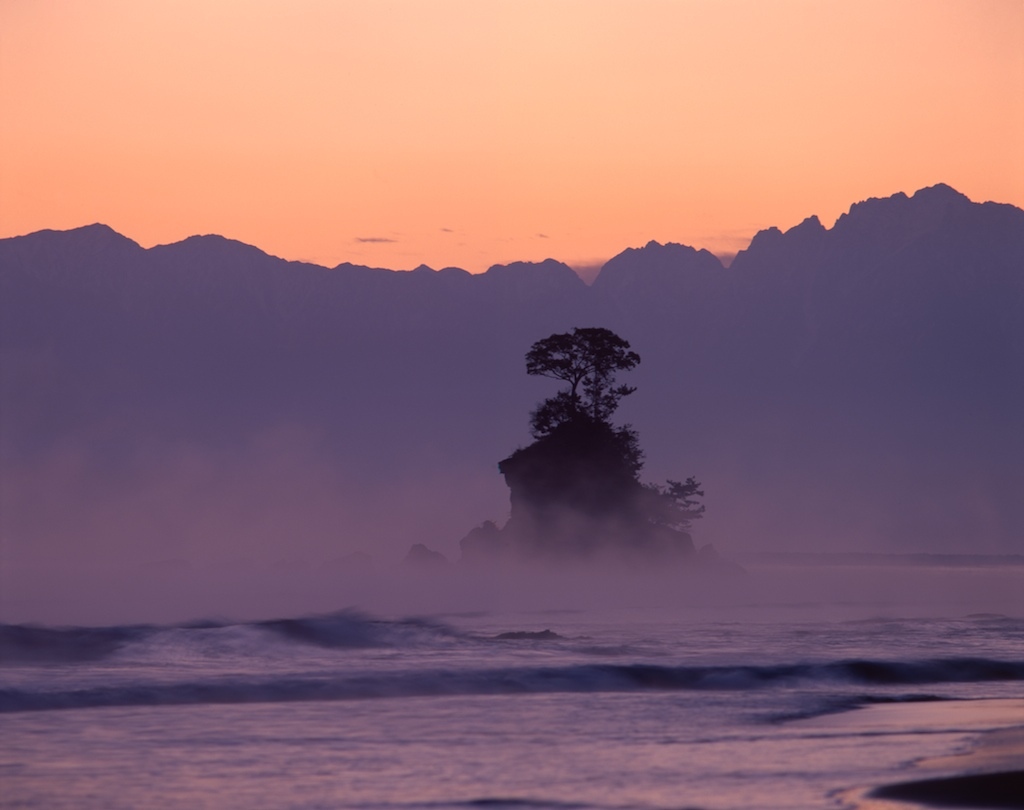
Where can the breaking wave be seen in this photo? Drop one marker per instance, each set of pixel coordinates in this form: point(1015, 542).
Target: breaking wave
point(31, 644)
point(516, 680)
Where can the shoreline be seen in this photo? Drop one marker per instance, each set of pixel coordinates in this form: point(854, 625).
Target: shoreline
point(1001, 789)
point(988, 775)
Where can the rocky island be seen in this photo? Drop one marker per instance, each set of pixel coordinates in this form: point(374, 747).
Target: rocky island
point(575, 491)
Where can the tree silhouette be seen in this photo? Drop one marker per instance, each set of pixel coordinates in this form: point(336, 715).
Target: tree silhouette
point(587, 359)
point(674, 505)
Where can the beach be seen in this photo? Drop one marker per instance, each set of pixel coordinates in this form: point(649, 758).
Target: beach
point(985, 771)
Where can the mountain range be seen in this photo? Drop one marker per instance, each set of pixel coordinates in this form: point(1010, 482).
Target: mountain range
point(853, 388)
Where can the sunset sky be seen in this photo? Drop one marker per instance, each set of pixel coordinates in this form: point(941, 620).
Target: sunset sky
point(468, 133)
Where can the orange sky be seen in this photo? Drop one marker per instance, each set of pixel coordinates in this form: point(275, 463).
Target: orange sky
point(469, 133)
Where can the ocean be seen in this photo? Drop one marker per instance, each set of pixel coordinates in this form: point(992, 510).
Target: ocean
point(632, 705)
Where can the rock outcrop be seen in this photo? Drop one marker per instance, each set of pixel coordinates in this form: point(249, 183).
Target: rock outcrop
point(574, 496)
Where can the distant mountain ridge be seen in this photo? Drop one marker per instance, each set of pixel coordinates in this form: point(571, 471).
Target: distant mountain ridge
point(860, 386)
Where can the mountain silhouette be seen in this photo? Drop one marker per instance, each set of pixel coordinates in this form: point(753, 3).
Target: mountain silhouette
point(855, 387)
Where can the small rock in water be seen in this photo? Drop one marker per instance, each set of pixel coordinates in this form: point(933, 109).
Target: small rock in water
point(420, 555)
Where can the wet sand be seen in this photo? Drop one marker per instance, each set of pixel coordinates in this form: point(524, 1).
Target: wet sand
point(994, 790)
point(990, 774)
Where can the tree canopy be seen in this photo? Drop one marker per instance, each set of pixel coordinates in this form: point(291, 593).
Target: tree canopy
point(587, 359)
